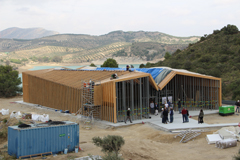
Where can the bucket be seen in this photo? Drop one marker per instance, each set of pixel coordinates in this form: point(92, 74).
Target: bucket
point(65, 151)
point(76, 150)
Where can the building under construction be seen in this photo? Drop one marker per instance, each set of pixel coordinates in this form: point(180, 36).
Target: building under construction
point(80, 90)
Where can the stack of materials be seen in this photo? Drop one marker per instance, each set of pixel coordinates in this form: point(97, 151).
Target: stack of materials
point(225, 137)
point(227, 132)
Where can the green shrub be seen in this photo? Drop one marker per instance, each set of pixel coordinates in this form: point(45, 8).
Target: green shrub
point(9, 81)
point(17, 61)
point(92, 65)
point(110, 63)
point(110, 144)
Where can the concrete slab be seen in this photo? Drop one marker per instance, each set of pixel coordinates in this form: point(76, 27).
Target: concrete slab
point(156, 121)
point(177, 122)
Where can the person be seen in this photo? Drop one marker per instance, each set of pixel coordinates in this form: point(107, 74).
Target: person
point(114, 76)
point(161, 115)
point(171, 114)
point(165, 115)
point(156, 107)
point(238, 105)
point(169, 103)
point(127, 68)
point(128, 116)
point(179, 106)
point(184, 114)
point(200, 117)
point(187, 116)
point(166, 105)
point(152, 107)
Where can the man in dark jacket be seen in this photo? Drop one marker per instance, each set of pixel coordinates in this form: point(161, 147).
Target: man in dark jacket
point(165, 115)
point(179, 106)
point(128, 116)
point(171, 114)
point(238, 105)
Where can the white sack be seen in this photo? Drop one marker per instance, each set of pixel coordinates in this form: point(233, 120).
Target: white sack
point(35, 117)
point(44, 117)
point(4, 112)
point(15, 114)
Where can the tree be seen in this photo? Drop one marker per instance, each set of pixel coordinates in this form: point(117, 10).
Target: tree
point(92, 65)
point(230, 29)
point(110, 144)
point(167, 55)
point(9, 82)
point(7, 62)
point(57, 59)
point(110, 63)
point(142, 65)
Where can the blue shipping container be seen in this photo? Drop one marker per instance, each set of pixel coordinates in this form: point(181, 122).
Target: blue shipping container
point(42, 139)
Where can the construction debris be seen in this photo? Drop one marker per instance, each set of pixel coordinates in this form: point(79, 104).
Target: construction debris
point(228, 132)
point(213, 138)
point(187, 135)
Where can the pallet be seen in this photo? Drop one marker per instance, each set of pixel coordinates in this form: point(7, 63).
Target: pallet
point(35, 155)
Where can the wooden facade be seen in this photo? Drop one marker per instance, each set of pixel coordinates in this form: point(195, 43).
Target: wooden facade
point(62, 90)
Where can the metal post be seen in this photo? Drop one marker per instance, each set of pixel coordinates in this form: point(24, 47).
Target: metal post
point(124, 99)
point(140, 95)
point(147, 84)
point(117, 99)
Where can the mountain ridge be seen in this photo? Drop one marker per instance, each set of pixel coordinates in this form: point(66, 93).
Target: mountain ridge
point(25, 33)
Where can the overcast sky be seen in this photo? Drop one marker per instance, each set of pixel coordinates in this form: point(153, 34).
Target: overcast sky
point(97, 17)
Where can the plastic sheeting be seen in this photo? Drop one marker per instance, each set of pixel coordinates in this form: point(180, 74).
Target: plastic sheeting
point(4, 112)
point(158, 74)
point(227, 132)
point(15, 114)
point(43, 118)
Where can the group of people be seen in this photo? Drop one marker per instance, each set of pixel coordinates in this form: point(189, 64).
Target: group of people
point(168, 109)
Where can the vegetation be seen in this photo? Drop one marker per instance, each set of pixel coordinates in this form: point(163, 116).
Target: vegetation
point(17, 61)
point(110, 145)
point(9, 82)
point(217, 54)
point(92, 65)
point(82, 48)
point(237, 157)
point(57, 59)
point(149, 50)
point(110, 63)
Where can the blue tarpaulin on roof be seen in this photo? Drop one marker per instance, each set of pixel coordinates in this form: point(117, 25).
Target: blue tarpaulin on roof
point(158, 74)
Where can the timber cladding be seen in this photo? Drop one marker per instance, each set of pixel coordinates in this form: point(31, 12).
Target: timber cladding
point(61, 89)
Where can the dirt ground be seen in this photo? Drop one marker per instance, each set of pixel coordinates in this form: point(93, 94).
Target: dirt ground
point(142, 141)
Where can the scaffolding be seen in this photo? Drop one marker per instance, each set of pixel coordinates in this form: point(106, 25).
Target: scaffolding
point(89, 110)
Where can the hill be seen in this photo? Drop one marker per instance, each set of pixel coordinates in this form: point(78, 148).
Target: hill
point(74, 48)
point(217, 54)
point(25, 33)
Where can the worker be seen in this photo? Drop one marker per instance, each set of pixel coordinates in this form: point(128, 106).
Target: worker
point(127, 68)
point(128, 116)
point(237, 106)
point(200, 117)
point(152, 107)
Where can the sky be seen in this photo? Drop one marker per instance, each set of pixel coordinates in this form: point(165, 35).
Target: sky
point(97, 17)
